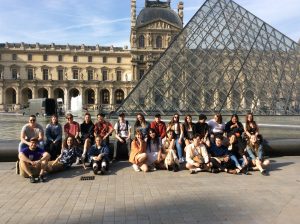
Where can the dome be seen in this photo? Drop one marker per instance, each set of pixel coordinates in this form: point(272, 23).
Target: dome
point(151, 14)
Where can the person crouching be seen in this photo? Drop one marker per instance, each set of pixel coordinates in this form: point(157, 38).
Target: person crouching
point(33, 162)
point(98, 156)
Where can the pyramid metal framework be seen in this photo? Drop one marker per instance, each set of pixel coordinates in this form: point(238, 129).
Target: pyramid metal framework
point(225, 60)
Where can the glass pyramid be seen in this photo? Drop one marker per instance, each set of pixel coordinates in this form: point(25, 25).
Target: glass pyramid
point(225, 60)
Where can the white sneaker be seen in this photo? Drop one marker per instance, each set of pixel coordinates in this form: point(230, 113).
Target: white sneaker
point(136, 168)
point(181, 160)
point(77, 161)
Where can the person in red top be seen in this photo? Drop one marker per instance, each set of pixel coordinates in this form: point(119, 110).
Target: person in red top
point(71, 128)
point(103, 128)
point(159, 126)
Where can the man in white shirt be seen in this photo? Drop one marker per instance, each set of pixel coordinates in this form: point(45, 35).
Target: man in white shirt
point(123, 133)
point(196, 155)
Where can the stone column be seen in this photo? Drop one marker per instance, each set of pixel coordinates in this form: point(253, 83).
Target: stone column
point(67, 100)
point(1, 97)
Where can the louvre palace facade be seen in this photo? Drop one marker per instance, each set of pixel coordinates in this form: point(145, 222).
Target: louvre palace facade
point(102, 75)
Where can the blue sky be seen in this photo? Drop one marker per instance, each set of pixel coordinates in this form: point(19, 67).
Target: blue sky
point(107, 22)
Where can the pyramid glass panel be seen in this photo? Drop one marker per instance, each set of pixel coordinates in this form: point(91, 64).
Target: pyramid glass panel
point(225, 60)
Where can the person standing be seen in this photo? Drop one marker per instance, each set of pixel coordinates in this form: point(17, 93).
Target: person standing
point(87, 134)
point(123, 134)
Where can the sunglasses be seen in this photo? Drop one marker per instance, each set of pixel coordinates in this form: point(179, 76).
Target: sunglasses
point(32, 120)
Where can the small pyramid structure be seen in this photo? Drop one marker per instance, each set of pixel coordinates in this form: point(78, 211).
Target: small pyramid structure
point(225, 60)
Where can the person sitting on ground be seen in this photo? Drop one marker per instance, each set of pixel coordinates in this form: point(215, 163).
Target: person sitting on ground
point(255, 150)
point(159, 126)
point(98, 157)
point(189, 130)
point(238, 156)
point(155, 155)
point(31, 130)
point(71, 128)
point(220, 157)
point(196, 155)
point(138, 156)
point(33, 161)
point(104, 129)
point(87, 134)
point(123, 136)
point(53, 134)
point(171, 160)
point(69, 154)
point(142, 124)
point(177, 127)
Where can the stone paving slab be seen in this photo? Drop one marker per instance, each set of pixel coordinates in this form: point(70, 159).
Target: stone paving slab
point(125, 196)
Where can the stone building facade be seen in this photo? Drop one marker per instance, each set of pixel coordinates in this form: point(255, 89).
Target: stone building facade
point(102, 76)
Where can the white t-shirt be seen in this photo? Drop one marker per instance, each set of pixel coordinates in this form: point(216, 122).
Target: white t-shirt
point(216, 127)
point(123, 130)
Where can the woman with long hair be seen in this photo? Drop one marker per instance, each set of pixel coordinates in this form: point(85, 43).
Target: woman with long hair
point(177, 127)
point(141, 124)
point(138, 156)
point(155, 154)
point(255, 151)
point(53, 134)
point(171, 160)
point(189, 129)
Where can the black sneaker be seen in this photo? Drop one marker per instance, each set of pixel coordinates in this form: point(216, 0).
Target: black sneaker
point(95, 169)
point(32, 179)
point(213, 170)
point(175, 167)
point(193, 171)
point(264, 173)
point(42, 178)
point(103, 170)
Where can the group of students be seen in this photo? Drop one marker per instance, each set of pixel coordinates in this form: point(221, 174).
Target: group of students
point(203, 146)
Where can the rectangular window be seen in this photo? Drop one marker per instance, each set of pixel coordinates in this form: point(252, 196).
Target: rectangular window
point(90, 59)
point(104, 59)
point(142, 72)
point(30, 74)
point(75, 58)
point(119, 75)
point(60, 74)
point(90, 75)
point(104, 75)
point(14, 57)
point(60, 57)
point(75, 74)
point(14, 73)
point(45, 74)
point(29, 57)
point(45, 57)
point(119, 59)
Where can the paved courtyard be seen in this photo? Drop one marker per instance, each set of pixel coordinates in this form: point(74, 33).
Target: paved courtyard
point(124, 196)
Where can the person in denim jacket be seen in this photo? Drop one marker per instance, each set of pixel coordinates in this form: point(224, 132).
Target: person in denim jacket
point(255, 151)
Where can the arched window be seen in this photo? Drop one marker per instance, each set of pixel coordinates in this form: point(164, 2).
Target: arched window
point(158, 42)
point(142, 41)
point(119, 96)
point(105, 96)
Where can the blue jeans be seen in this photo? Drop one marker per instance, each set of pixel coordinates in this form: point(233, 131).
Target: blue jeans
point(237, 162)
point(179, 147)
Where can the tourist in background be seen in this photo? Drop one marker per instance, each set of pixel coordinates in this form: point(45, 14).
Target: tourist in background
point(53, 134)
